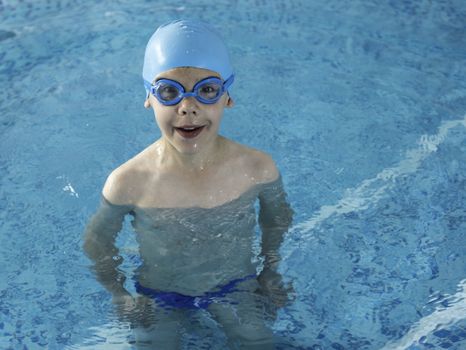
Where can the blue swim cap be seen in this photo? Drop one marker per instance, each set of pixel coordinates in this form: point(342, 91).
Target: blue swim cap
point(185, 43)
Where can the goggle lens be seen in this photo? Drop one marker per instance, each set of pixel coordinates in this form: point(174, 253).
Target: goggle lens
point(166, 92)
point(210, 91)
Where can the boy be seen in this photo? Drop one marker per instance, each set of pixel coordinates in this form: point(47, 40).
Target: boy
point(192, 195)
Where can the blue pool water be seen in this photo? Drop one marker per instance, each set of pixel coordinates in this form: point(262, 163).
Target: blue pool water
point(362, 104)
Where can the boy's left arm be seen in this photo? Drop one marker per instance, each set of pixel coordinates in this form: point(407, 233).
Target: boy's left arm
point(275, 218)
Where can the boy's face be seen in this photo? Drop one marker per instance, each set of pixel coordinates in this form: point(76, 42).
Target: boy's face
point(190, 125)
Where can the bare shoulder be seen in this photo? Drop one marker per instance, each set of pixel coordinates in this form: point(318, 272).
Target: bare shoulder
point(126, 183)
point(116, 188)
point(264, 166)
point(258, 164)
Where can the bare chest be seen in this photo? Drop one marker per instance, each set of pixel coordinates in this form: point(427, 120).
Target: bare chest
point(185, 191)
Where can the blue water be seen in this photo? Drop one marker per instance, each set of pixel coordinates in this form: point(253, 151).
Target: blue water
point(361, 103)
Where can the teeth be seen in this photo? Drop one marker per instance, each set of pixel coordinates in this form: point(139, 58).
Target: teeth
point(191, 128)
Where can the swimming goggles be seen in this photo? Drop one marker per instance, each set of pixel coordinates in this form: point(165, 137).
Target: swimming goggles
point(208, 91)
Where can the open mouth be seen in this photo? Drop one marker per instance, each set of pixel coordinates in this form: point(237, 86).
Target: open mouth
point(189, 132)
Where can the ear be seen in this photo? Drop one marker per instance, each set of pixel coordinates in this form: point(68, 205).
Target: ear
point(229, 103)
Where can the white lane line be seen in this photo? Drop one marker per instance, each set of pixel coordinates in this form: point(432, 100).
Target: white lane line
point(370, 191)
point(442, 317)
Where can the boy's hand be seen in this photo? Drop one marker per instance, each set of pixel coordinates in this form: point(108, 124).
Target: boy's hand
point(124, 303)
point(272, 286)
point(138, 309)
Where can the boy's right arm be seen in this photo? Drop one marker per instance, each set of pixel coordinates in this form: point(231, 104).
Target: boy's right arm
point(100, 236)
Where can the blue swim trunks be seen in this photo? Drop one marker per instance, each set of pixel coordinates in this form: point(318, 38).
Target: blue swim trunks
point(181, 301)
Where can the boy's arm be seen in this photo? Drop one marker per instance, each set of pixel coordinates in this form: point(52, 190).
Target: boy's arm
point(275, 218)
point(99, 240)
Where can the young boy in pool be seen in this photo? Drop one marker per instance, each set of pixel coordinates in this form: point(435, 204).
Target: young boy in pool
point(191, 194)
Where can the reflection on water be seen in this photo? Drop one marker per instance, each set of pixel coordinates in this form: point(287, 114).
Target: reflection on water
point(448, 311)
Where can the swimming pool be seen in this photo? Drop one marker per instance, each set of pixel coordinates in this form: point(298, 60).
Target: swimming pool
point(362, 104)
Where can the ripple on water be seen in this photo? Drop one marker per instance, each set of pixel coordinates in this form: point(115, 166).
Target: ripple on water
point(6, 34)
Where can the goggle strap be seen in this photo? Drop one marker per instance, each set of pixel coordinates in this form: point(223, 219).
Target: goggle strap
point(148, 87)
point(228, 82)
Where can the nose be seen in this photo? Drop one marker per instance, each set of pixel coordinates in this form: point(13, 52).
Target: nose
point(187, 106)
